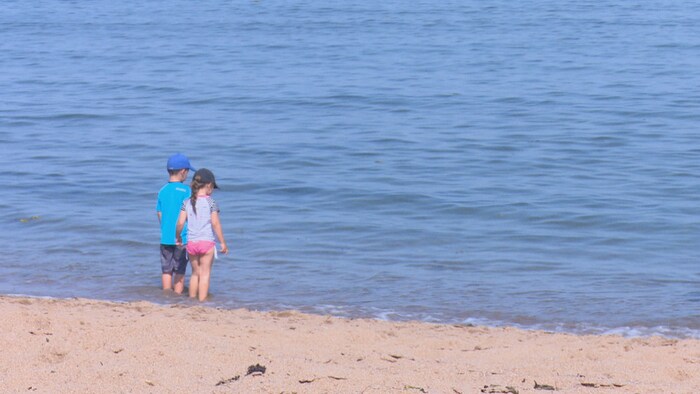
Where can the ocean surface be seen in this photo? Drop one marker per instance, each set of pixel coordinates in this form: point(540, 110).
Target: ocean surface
point(532, 163)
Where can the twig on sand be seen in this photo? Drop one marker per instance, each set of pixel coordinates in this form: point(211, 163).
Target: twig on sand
point(229, 380)
point(303, 381)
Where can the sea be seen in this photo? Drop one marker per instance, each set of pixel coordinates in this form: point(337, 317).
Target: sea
point(529, 163)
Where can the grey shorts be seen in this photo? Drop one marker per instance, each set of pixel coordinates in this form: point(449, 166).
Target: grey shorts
point(173, 259)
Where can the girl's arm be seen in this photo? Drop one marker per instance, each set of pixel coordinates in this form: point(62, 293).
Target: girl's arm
point(180, 225)
point(216, 225)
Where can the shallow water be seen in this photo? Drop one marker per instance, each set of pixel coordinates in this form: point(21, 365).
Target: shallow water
point(531, 164)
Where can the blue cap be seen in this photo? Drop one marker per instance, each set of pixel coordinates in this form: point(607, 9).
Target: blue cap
point(179, 161)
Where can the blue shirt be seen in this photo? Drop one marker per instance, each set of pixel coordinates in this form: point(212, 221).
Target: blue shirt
point(170, 198)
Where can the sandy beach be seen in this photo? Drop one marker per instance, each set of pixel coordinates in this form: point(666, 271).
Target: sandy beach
point(87, 346)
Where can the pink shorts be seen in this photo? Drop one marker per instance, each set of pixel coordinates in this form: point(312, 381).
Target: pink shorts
point(199, 248)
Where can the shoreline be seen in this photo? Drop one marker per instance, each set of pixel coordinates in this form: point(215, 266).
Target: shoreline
point(164, 299)
point(82, 345)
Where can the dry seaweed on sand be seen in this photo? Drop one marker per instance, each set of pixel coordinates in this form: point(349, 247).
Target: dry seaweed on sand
point(543, 386)
point(496, 389)
point(257, 368)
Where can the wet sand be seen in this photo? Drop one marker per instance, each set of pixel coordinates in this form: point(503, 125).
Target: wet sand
point(87, 346)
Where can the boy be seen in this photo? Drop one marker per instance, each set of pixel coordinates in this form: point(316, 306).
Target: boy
point(173, 258)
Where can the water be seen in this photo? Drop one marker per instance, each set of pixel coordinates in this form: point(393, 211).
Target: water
point(531, 163)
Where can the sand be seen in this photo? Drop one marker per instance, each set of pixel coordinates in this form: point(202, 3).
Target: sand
point(87, 346)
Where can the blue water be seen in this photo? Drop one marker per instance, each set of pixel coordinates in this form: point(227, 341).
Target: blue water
point(532, 163)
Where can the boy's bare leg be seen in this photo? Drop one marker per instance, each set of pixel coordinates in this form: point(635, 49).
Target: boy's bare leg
point(167, 280)
point(194, 278)
point(179, 284)
point(205, 263)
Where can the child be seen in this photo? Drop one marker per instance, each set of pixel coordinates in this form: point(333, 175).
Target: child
point(173, 257)
point(202, 216)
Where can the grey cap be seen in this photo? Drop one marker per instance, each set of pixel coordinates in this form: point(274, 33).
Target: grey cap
point(203, 175)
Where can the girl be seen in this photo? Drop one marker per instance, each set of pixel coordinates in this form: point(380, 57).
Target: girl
point(202, 216)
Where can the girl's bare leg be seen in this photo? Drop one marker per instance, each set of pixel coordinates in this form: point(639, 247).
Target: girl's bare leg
point(194, 278)
point(205, 263)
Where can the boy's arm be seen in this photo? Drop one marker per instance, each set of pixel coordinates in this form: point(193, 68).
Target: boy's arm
point(180, 225)
point(216, 225)
point(159, 210)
